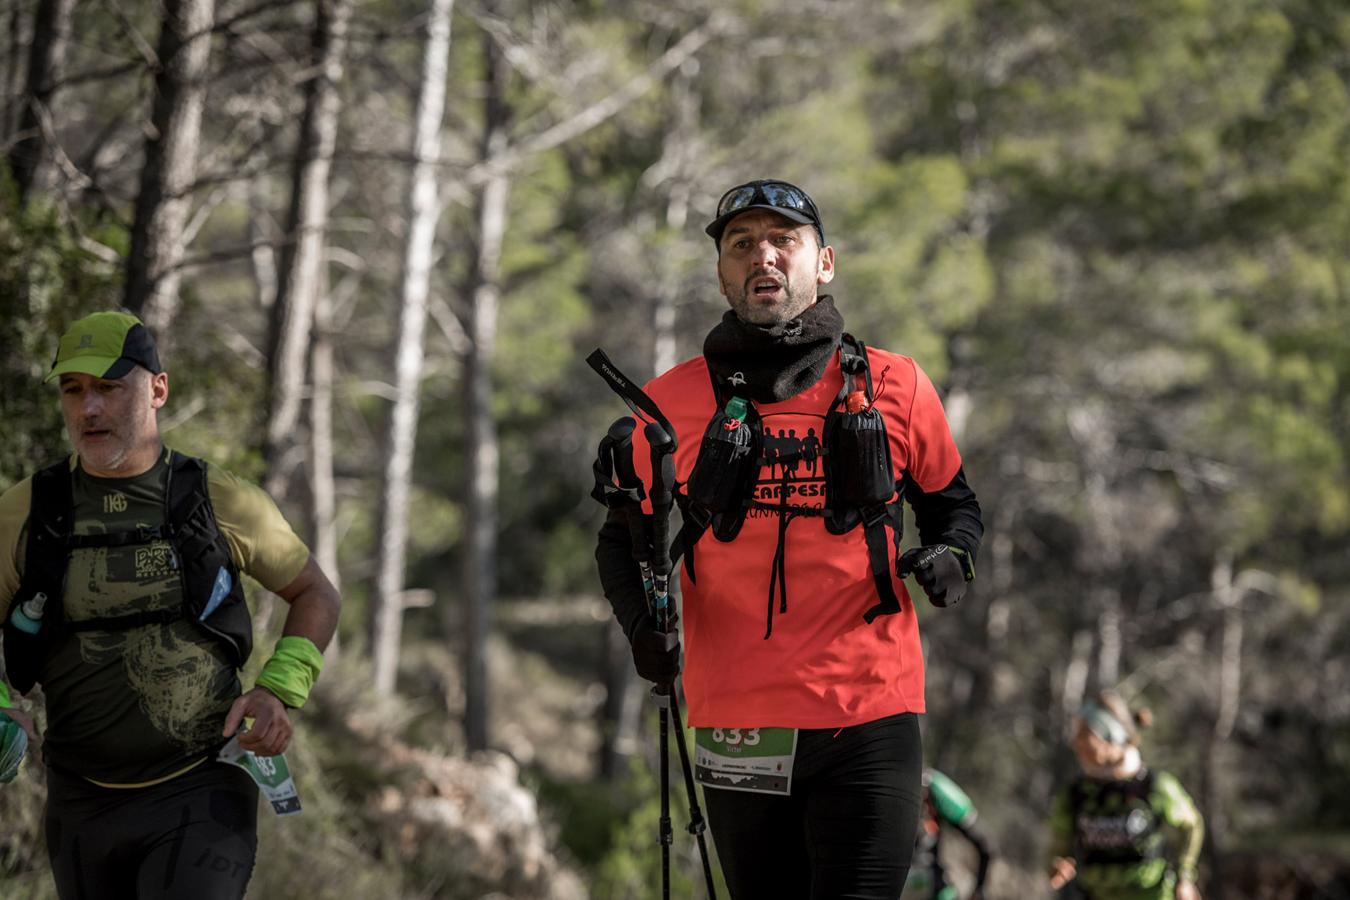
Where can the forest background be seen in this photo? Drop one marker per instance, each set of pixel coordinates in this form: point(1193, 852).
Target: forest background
point(377, 240)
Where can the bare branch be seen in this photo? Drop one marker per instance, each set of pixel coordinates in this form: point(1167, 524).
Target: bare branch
point(597, 113)
point(148, 55)
point(226, 255)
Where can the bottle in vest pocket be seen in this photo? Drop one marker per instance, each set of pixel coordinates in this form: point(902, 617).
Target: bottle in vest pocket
point(220, 589)
point(27, 616)
point(727, 457)
point(859, 473)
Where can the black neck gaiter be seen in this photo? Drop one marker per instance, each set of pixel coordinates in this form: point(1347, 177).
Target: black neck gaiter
point(770, 363)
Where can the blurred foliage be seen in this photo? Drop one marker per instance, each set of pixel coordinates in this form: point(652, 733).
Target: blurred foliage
point(1114, 235)
point(47, 280)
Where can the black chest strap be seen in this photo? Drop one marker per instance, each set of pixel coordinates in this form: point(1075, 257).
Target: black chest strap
point(873, 515)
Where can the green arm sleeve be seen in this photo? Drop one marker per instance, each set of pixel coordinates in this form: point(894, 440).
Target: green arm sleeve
point(1179, 811)
point(952, 803)
point(292, 670)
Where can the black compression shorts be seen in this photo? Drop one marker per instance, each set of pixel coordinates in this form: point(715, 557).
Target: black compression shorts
point(193, 836)
point(847, 830)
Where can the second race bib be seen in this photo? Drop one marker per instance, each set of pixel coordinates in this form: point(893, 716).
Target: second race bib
point(271, 773)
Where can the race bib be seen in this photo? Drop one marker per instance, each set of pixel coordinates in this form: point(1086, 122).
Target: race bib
point(745, 759)
point(271, 773)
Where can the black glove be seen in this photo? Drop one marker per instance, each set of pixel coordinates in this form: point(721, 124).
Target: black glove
point(938, 572)
point(656, 655)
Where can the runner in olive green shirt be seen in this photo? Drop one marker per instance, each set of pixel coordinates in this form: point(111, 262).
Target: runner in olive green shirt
point(139, 695)
point(1123, 831)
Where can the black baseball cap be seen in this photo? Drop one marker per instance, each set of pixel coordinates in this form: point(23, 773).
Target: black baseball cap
point(784, 198)
point(105, 345)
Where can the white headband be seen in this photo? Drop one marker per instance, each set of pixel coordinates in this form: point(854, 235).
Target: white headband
point(1103, 724)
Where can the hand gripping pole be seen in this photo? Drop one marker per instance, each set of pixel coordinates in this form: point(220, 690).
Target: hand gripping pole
point(651, 550)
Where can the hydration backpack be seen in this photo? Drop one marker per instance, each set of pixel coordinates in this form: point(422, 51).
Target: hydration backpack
point(1115, 824)
point(213, 595)
point(860, 485)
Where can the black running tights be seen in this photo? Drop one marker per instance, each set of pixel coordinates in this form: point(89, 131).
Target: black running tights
point(194, 836)
point(847, 830)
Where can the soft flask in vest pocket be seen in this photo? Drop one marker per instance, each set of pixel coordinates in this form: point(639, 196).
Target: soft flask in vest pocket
point(27, 643)
point(859, 474)
point(213, 597)
point(727, 465)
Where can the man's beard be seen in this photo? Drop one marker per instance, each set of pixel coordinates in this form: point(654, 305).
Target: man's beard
point(792, 306)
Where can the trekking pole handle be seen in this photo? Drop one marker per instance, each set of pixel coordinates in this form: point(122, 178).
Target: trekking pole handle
point(663, 480)
point(621, 435)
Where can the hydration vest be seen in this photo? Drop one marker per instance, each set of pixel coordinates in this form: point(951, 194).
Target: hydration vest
point(1116, 824)
point(860, 485)
point(213, 595)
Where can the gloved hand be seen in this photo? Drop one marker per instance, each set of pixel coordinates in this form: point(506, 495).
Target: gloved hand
point(656, 654)
point(938, 572)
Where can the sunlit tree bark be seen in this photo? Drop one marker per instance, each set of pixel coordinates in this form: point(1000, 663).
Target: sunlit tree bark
point(302, 254)
point(423, 213)
point(480, 558)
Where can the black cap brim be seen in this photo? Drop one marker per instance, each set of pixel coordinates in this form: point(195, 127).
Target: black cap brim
point(719, 224)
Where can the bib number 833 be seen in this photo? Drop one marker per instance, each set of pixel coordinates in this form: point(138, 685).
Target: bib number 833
point(748, 737)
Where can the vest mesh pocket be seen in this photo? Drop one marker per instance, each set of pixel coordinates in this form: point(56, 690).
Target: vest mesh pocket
point(859, 474)
point(728, 459)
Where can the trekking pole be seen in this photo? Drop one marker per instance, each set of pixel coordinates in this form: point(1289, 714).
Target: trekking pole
point(697, 826)
point(651, 550)
point(615, 463)
point(621, 445)
point(620, 435)
point(663, 477)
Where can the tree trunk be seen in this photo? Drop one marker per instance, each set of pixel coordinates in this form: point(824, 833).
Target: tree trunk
point(170, 163)
point(1095, 434)
point(302, 253)
point(14, 37)
point(994, 597)
point(323, 492)
point(679, 150)
point(1227, 597)
point(1108, 606)
point(262, 235)
point(30, 157)
point(618, 714)
point(386, 614)
point(480, 558)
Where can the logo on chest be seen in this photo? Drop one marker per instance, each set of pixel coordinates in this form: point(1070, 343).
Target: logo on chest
point(154, 561)
point(792, 469)
point(115, 502)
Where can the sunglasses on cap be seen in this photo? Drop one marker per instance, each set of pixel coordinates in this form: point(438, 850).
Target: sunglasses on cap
point(769, 193)
point(1104, 724)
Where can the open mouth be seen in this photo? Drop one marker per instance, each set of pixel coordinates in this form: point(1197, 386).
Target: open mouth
point(765, 287)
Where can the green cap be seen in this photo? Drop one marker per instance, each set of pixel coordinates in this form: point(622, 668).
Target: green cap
point(105, 345)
